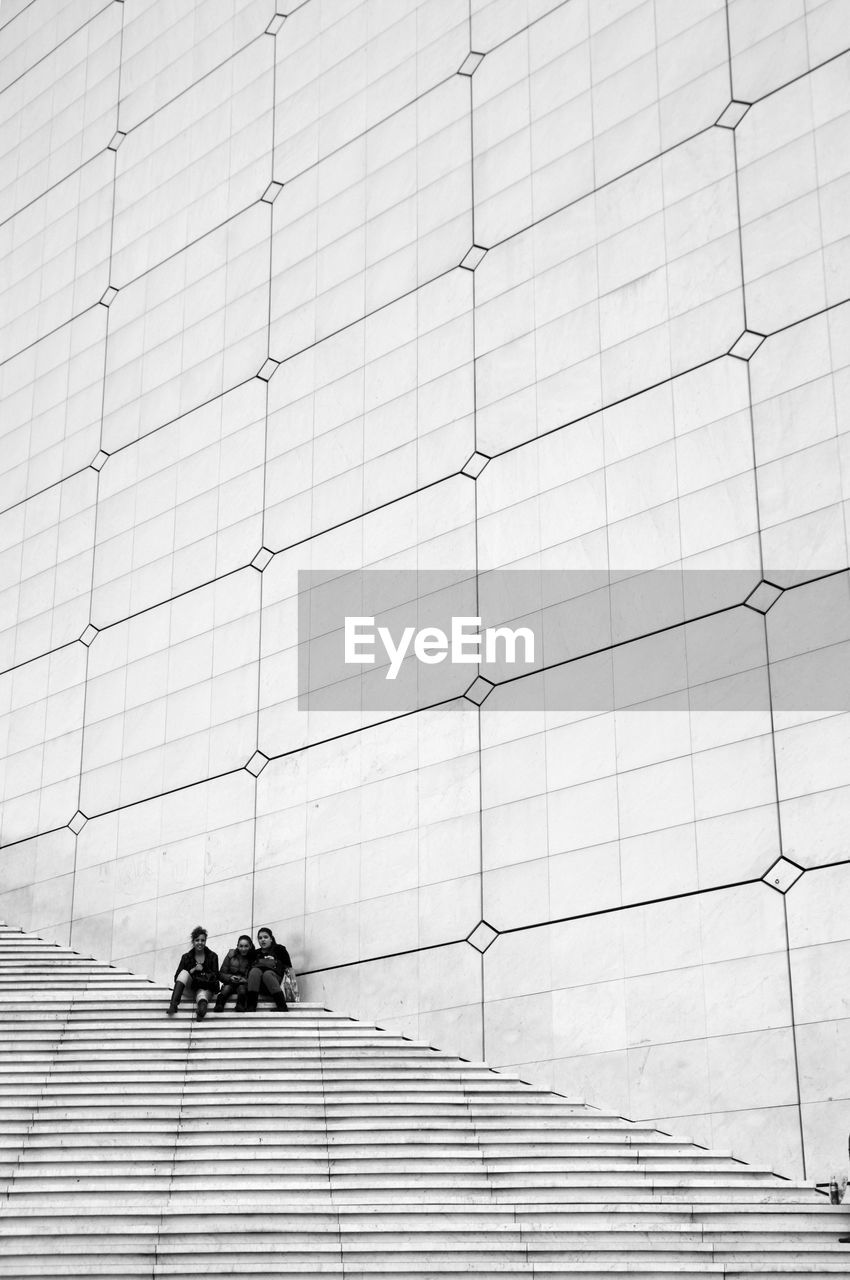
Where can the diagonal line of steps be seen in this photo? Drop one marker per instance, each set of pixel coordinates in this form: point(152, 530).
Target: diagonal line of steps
point(309, 1144)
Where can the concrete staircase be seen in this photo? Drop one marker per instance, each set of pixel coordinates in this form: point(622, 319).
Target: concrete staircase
point(308, 1144)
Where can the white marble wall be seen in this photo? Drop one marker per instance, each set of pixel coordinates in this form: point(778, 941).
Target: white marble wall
point(272, 274)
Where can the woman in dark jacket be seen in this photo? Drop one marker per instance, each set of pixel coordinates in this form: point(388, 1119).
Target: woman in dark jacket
point(197, 970)
point(233, 974)
point(271, 960)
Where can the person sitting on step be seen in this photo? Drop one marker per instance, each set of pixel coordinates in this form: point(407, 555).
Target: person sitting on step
point(270, 963)
point(233, 974)
point(197, 972)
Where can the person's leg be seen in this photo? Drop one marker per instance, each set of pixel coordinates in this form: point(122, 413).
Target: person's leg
point(253, 994)
point(223, 997)
point(241, 997)
point(183, 980)
point(201, 1002)
point(271, 983)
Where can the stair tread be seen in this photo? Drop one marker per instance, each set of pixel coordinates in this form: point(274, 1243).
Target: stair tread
point(393, 1159)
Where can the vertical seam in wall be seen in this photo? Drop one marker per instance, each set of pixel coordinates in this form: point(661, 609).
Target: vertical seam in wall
point(97, 486)
point(738, 204)
point(794, 1035)
point(483, 1036)
point(744, 302)
point(781, 845)
point(780, 839)
point(755, 465)
point(729, 49)
point(479, 709)
point(760, 543)
point(744, 316)
point(253, 916)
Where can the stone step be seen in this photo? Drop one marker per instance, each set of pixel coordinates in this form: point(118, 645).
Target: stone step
point(342, 1102)
point(610, 1219)
point(293, 1130)
point(350, 1142)
point(194, 1098)
point(646, 1192)
point(338, 1110)
point(359, 1160)
point(355, 1152)
point(413, 1269)
point(150, 1178)
point(529, 1212)
point(130, 1073)
point(216, 1235)
point(340, 1113)
point(264, 1253)
point(263, 1248)
point(192, 1036)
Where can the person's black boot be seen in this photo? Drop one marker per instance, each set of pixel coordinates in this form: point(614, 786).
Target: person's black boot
point(240, 1003)
point(251, 1001)
point(280, 1002)
point(218, 1007)
point(201, 1010)
point(175, 998)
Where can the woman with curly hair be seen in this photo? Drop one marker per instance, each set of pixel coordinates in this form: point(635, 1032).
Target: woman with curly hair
point(197, 972)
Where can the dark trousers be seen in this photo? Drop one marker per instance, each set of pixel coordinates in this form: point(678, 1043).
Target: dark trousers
point(228, 989)
point(265, 979)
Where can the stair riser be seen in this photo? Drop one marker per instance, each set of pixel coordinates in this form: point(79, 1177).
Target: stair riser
point(389, 1159)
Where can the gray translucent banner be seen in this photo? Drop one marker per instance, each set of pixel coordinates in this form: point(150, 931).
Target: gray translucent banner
point(385, 641)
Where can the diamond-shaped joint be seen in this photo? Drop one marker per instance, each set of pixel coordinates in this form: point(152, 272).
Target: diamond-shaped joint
point(272, 192)
point(782, 875)
point(482, 936)
point(763, 597)
point(257, 763)
point(480, 689)
point(115, 141)
point(109, 296)
point(730, 117)
point(473, 257)
point(78, 821)
point(261, 559)
point(470, 63)
point(268, 369)
point(747, 345)
point(275, 24)
point(88, 635)
point(475, 465)
point(98, 460)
